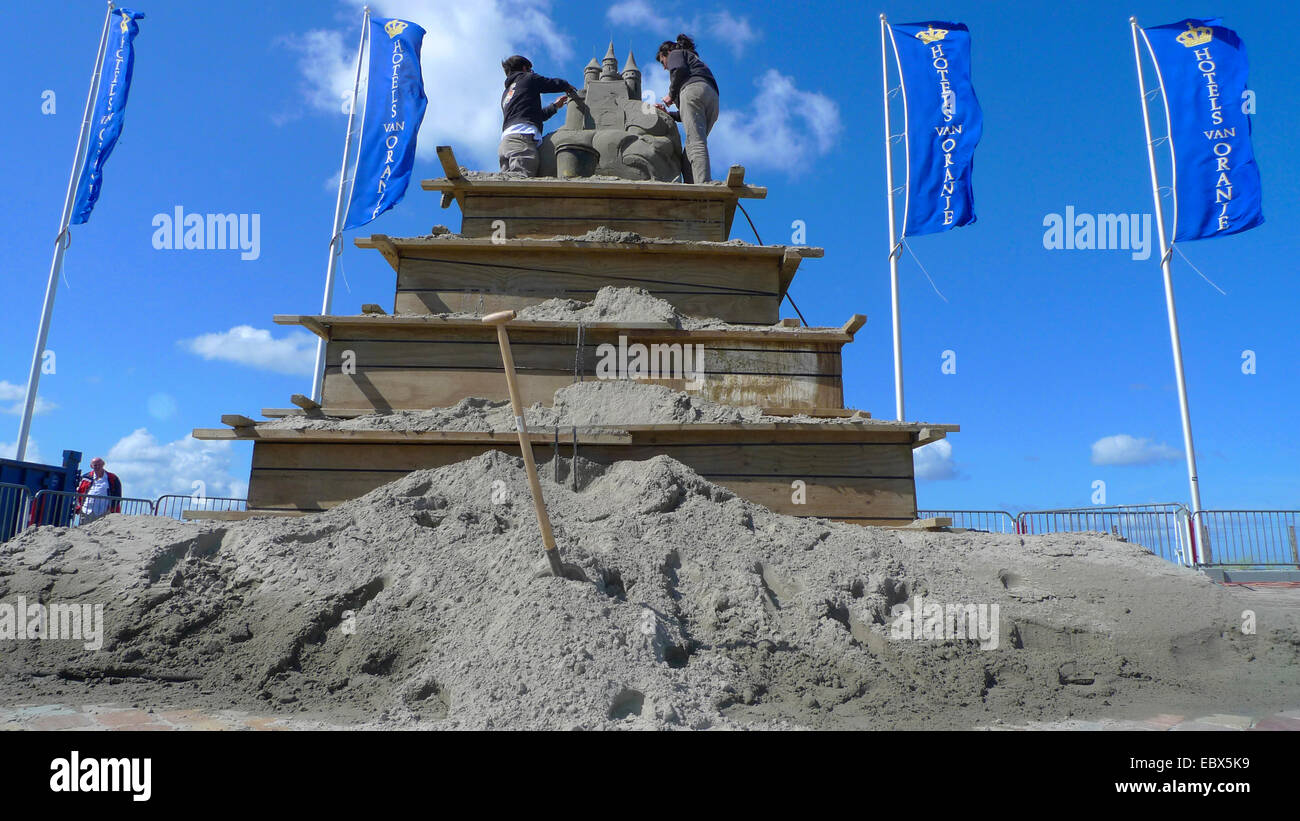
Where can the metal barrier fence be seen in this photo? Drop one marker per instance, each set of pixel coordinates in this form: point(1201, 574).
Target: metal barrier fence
point(1164, 529)
point(175, 505)
point(13, 510)
point(69, 509)
point(1248, 538)
point(989, 521)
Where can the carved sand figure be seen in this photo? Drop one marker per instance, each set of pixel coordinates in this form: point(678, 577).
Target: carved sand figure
point(609, 131)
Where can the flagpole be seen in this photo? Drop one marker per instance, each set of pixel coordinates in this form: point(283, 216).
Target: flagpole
point(60, 245)
point(336, 236)
point(893, 232)
point(1166, 254)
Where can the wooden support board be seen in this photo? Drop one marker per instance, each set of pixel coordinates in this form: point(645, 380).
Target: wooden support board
point(865, 482)
point(551, 207)
point(738, 284)
point(412, 365)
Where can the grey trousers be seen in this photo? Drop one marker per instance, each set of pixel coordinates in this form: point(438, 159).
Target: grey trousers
point(518, 153)
point(699, 108)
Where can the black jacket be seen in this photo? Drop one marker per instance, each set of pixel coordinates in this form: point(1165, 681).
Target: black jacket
point(684, 68)
point(521, 102)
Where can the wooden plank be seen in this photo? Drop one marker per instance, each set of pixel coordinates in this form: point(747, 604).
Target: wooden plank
point(744, 290)
point(311, 477)
point(373, 309)
point(820, 412)
point(516, 228)
point(408, 246)
point(432, 327)
point(612, 436)
point(393, 389)
point(736, 176)
point(235, 420)
point(558, 354)
point(385, 246)
point(305, 402)
point(854, 324)
point(598, 188)
point(450, 167)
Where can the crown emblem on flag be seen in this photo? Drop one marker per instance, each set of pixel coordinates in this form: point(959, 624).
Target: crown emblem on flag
point(931, 34)
point(394, 28)
point(1196, 36)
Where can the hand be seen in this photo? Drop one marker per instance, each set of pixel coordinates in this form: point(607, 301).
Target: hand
point(660, 106)
point(668, 100)
point(562, 100)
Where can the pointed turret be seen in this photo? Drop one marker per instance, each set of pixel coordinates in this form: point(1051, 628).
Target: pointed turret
point(632, 76)
point(609, 66)
point(591, 73)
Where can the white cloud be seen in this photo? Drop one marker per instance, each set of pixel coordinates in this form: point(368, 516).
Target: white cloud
point(635, 13)
point(256, 348)
point(736, 31)
point(16, 394)
point(785, 128)
point(149, 469)
point(1123, 449)
point(8, 449)
point(723, 26)
point(934, 461)
point(460, 60)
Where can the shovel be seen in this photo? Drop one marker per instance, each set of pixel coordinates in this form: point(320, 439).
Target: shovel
point(558, 568)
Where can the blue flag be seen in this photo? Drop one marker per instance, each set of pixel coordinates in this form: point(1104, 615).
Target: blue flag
point(1203, 71)
point(944, 124)
point(110, 109)
point(395, 104)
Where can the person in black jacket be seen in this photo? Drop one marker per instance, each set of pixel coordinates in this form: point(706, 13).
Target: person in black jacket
point(695, 93)
point(523, 114)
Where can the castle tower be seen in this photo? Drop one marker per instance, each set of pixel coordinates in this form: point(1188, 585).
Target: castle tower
point(632, 76)
point(591, 73)
point(609, 66)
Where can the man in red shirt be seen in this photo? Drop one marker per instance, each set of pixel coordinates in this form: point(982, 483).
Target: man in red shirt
point(98, 492)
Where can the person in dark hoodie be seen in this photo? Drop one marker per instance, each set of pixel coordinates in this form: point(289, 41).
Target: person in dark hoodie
point(695, 93)
point(523, 114)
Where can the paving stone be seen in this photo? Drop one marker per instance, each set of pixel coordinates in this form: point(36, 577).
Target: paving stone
point(61, 722)
point(1231, 722)
point(1278, 722)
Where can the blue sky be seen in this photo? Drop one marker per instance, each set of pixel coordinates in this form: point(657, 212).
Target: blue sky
point(236, 108)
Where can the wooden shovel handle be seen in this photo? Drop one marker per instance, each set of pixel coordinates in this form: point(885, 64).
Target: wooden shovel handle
point(498, 318)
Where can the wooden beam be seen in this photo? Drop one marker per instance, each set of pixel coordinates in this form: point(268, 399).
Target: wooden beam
point(449, 165)
point(790, 322)
point(235, 420)
point(821, 413)
point(305, 402)
point(593, 188)
point(605, 435)
point(854, 324)
point(651, 246)
point(736, 176)
point(385, 246)
point(373, 309)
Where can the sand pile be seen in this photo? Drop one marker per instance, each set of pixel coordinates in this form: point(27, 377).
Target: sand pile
point(610, 305)
point(420, 604)
point(582, 404)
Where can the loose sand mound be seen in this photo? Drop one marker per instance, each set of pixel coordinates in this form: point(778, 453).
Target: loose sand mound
point(421, 604)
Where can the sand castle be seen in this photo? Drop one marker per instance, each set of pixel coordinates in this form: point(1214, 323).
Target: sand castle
point(696, 312)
